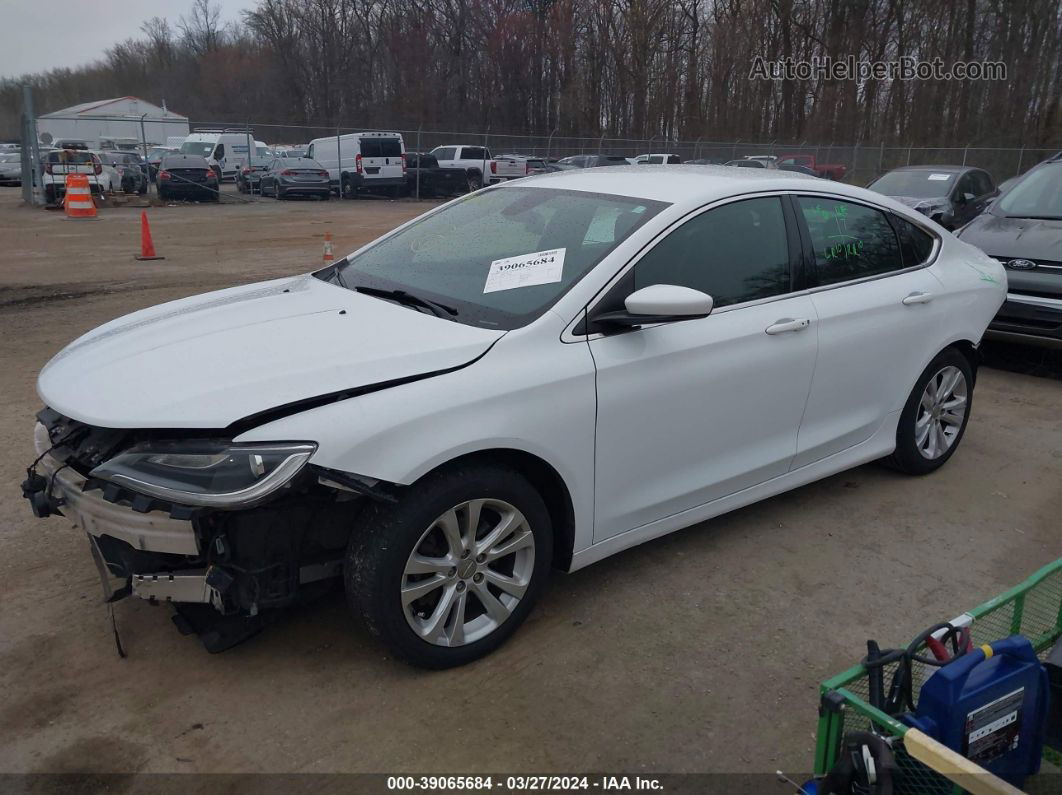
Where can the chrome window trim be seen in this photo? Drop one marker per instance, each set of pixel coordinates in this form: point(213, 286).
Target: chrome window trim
point(1035, 300)
point(569, 336)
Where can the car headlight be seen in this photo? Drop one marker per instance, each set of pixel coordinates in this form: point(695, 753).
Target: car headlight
point(212, 474)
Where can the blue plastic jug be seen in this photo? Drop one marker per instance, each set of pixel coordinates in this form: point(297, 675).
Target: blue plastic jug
point(990, 705)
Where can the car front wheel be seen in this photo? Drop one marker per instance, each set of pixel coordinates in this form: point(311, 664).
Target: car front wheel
point(934, 418)
point(446, 574)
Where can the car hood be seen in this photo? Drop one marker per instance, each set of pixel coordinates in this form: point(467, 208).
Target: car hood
point(208, 361)
point(1015, 238)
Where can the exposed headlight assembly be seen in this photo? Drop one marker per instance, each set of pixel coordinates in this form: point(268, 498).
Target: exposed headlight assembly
point(210, 474)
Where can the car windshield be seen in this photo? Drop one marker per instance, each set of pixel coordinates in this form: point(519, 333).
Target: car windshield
point(500, 257)
point(202, 148)
point(1037, 195)
point(916, 184)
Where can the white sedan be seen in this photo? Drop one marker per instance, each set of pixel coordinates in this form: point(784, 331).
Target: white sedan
point(538, 374)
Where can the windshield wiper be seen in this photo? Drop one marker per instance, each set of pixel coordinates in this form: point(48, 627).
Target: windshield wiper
point(407, 298)
point(1038, 217)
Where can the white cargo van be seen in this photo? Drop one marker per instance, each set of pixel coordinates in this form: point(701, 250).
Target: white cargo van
point(364, 161)
point(225, 150)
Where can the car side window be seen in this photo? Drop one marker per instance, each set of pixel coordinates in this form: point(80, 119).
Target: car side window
point(851, 241)
point(983, 183)
point(966, 186)
point(734, 253)
point(915, 244)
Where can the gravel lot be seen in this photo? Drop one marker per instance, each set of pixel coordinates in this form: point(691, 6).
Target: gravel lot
point(699, 652)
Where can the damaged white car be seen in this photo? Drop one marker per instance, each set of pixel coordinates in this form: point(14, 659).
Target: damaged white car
point(535, 375)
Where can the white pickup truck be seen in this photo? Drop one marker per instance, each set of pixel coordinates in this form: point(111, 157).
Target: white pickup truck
point(481, 168)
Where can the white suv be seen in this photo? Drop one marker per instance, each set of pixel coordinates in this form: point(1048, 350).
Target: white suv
point(59, 163)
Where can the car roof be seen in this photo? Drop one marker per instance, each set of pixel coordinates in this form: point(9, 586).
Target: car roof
point(683, 184)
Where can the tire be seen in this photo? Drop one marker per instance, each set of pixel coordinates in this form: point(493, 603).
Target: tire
point(923, 442)
point(382, 547)
point(142, 190)
point(278, 193)
point(475, 181)
point(347, 189)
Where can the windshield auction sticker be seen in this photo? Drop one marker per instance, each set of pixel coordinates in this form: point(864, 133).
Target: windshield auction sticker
point(939, 177)
point(527, 270)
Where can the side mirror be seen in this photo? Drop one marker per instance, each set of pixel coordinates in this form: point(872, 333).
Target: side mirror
point(659, 303)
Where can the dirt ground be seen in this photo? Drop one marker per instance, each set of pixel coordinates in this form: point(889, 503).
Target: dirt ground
point(699, 652)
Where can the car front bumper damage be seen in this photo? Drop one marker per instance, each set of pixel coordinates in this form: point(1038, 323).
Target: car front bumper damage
point(219, 569)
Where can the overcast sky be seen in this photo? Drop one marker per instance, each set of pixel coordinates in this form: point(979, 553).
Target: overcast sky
point(44, 34)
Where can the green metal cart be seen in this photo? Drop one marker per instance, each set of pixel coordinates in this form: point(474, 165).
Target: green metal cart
point(1032, 609)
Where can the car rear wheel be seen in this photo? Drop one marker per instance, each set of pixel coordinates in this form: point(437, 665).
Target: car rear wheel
point(475, 181)
point(448, 573)
point(934, 418)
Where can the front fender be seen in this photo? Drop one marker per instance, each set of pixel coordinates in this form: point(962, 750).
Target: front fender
point(530, 393)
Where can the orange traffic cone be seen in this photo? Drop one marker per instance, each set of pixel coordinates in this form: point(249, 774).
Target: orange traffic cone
point(328, 257)
point(147, 247)
point(77, 202)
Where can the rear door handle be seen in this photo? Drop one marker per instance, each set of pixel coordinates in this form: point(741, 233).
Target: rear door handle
point(788, 324)
point(918, 298)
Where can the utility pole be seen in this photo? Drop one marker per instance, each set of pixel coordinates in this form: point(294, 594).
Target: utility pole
point(32, 181)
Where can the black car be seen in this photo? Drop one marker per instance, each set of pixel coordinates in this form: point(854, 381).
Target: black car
point(434, 180)
point(154, 157)
point(188, 177)
point(295, 176)
point(743, 163)
point(1023, 230)
point(950, 195)
point(249, 175)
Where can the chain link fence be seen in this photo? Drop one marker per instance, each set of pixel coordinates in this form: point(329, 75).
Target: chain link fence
point(863, 162)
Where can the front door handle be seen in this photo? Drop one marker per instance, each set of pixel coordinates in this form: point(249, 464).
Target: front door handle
point(788, 324)
point(918, 298)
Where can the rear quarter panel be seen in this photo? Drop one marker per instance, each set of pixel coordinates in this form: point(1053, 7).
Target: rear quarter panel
point(975, 287)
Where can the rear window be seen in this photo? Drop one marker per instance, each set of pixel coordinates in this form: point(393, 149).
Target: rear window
point(70, 156)
point(474, 153)
point(381, 147)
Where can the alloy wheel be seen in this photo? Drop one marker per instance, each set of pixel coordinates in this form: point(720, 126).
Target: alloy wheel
point(468, 572)
point(941, 412)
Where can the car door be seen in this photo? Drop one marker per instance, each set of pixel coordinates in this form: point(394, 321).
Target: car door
point(692, 411)
point(876, 319)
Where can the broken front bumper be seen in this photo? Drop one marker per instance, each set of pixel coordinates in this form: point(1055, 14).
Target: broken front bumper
point(109, 522)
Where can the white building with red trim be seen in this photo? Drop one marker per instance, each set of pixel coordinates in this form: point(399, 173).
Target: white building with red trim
point(109, 119)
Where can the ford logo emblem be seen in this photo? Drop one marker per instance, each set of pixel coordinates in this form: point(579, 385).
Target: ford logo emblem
point(1021, 264)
